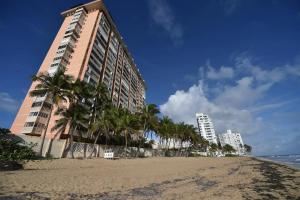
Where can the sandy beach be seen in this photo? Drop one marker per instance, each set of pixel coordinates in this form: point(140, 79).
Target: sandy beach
point(152, 178)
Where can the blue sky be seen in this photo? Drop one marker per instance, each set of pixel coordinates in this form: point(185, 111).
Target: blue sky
point(238, 61)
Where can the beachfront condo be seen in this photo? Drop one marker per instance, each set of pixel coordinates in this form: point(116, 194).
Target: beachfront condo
point(234, 139)
point(89, 45)
point(206, 127)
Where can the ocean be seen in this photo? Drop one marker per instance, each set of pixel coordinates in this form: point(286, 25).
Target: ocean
point(292, 160)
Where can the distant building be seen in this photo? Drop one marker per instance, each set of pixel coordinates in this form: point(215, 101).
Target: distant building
point(206, 127)
point(234, 139)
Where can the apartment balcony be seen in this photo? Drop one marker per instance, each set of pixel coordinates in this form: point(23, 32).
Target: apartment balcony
point(68, 42)
point(27, 130)
point(43, 98)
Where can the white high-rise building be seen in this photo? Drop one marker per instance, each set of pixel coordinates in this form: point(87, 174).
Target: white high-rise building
point(234, 139)
point(206, 127)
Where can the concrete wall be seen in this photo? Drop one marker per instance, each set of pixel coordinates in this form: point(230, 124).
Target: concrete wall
point(56, 148)
point(85, 149)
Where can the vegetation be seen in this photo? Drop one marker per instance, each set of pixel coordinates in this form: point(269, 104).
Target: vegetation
point(228, 149)
point(12, 148)
point(247, 148)
point(87, 114)
point(55, 88)
point(213, 147)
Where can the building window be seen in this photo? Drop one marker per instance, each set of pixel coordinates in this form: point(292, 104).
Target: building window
point(29, 124)
point(37, 104)
point(33, 113)
point(44, 115)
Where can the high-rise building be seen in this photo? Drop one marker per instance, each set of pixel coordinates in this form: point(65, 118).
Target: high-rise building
point(89, 45)
point(206, 127)
point(234, 139)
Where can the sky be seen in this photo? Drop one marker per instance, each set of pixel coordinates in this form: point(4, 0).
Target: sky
point(237, 61)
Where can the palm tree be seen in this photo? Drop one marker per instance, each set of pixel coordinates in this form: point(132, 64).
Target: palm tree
point(101, 99)
point(148, 122)
point(213, 147)
point(75, 118)
point(165, 130)
point(228, 149)
point(247, 148)
point(99, 102)
point(80, 91)
point(148, 118)
point(56, 87)
point(102, 125)
point(181, 130)
point(125, 124)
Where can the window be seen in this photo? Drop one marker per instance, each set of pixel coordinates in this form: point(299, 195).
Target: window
point(29, 124)
point(44, 115)
point(62, 46)
point(33, 113)
point(57, 58)
point(39, 125)
point(55, 64)
point(37, 104)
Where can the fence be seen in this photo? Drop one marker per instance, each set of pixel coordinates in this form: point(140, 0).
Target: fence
point(56, 148)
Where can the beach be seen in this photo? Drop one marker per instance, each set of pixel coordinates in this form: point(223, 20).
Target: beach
point(152, 178)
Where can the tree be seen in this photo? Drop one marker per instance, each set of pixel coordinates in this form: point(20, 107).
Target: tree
point(80, 91)
point(14, 151)
point(247, 148)
point(73, 117)
point(228, 149)
point(4, 131)
point(56, 88)
point(148, 118)
point(213, 147)
point(165, 130)
point(125, 124)
point(102, 125)
point(100, 100)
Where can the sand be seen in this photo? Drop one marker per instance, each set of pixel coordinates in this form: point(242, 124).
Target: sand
point(152, 178)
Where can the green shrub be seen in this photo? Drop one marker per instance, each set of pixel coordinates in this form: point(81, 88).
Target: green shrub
point(11, 150)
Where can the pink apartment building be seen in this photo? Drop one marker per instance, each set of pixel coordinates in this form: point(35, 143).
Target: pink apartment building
point(89, 46)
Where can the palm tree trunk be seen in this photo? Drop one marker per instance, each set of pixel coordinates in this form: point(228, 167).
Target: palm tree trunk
point(125, 144)
point(145, 130)
point(96, 139)
point(180, 148)
point(174, 142)
point(168, 143)
point(44, 135)
point(72, 142)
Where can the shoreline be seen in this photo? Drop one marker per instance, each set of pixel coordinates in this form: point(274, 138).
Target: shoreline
point(278, 180)
point(152, 178)
point(278, 163)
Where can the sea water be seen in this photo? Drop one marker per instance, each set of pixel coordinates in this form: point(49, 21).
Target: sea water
point(292, 160)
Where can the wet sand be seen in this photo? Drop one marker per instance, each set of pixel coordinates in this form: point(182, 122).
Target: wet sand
point(152, 178)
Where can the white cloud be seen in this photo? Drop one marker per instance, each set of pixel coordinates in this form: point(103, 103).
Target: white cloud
point(7, 103)
point(183, 105)
point(274, 75)
point(259, 108)
point(222, 73)
point(231, 104)
point(163, 16)
point(243, 94)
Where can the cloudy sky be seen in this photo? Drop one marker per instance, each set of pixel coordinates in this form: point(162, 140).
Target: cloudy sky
point(238, 61)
